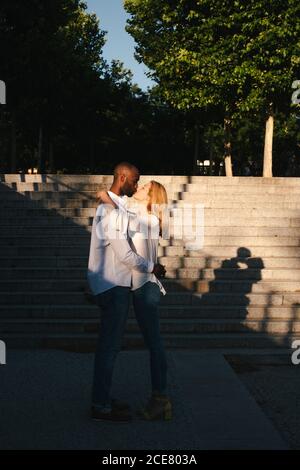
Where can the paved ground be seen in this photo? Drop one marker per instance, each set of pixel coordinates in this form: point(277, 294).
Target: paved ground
point(276, 388)
point(45, 399)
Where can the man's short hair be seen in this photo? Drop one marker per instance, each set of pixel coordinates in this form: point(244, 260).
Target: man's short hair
point(120, 167)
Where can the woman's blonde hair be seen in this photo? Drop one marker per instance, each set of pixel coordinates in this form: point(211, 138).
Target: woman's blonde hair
point(158, 200)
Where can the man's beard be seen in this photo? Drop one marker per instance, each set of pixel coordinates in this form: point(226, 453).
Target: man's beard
point(127, 190)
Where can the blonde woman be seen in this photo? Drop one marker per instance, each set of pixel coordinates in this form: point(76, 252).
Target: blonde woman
point(145, 227)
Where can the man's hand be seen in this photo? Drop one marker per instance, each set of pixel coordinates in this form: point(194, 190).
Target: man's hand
point(159, 270)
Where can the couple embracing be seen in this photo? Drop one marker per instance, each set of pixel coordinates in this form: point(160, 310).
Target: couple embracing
point(123, 263)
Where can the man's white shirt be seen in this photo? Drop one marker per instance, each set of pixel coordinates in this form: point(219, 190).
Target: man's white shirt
point(112, 255)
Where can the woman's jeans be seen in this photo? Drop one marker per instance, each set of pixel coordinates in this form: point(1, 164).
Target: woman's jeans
point(114, 304)
point(146, 301)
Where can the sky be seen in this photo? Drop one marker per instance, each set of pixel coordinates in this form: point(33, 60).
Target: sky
point(119, 44)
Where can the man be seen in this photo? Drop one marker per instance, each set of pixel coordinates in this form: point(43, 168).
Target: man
point(111, 261)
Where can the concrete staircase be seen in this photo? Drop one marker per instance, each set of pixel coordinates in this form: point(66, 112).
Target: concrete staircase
point(241, 290)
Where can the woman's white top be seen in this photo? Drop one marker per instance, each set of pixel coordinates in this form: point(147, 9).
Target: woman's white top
point(143, 230)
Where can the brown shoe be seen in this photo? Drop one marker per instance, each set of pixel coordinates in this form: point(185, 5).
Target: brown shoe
point(115, 415)
point(158, 407)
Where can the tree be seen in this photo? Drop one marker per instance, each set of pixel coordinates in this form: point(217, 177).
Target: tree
point(50, 55)
point(233, 56)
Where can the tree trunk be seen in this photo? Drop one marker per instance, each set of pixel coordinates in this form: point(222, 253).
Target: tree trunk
point(40, 151)
point(227, 147)
point(13, 162)
point(267, 168)
point(211, 166)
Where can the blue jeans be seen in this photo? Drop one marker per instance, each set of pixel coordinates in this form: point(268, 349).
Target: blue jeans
point(114, 304)
point(146, 301)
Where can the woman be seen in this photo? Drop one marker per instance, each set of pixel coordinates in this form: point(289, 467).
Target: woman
point(145, 227)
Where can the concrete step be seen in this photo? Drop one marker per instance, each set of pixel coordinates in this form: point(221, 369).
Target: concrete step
point(250, 312)
point(20, 240)
point(186, 179)
point(226, 252)
point(53, 187)
point(73, 218)
point(80, 285)
point(167, 325)
point(39, 192)
point(164, 179)
point(254, 274)
point(208, 212)
point(171, 262)
point(39, 212)
point(50, 178)
point(46, 204)
point(261, 198)
point(63, 246)
point(14, 249)
point(200, 286)
point(62, 187)
point(87, 341)
point(230, 202)
point(215, 262)
point(74, 230)
point(19, 246)
point(178, 190)
point(41, 216)
point(62, 260)
point(54, 235)
point(53, 220)
point(208, 220)
point(202, 271)
point(81, 203)
point(86, 179)
point(227, 196)
point(65, 230)
point(58, 203)
point(178, 298)
point(11, 195)
point(189, 191)
point(65, 189)
point(82, 241)
point(238, 241)
point(249, 212)
point(181, 209)
point(240, 189)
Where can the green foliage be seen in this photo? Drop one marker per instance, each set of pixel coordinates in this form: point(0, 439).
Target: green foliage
point(207, 57)
point(90, 112)
point(203, 53)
